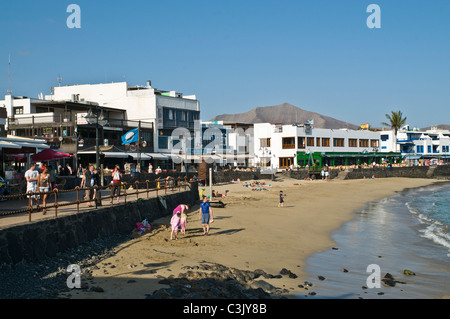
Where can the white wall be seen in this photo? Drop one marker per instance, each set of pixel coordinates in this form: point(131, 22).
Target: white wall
point(266, 130)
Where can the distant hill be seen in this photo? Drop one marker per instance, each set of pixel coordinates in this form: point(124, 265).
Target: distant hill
point(284, 114)
point(441, 127)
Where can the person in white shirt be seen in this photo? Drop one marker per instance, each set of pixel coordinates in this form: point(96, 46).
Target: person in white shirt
point(32, 176)
point(69, 169)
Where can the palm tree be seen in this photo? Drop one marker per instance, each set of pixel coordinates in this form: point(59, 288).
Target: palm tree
point(396, 121)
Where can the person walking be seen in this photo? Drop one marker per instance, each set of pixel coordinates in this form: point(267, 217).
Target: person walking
point(79, 173)
point(116, 183)
point(44, 185)
point(90, 179)
point(32, 176)
point(281, 203)
point(206, 215)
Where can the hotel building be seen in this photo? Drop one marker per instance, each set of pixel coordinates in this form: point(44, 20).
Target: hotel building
point(280, 146)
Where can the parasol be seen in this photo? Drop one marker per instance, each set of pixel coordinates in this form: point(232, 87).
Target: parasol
point(49, 155)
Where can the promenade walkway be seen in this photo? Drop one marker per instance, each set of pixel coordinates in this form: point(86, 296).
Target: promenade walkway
point(69, 197)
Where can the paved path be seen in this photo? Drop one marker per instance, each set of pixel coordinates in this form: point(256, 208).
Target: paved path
point(15, 205)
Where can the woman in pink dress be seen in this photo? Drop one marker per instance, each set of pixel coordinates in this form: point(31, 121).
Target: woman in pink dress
point(175, 223)
point(181, 208)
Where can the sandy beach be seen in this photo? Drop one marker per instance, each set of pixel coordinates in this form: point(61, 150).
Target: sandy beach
point(250, 233)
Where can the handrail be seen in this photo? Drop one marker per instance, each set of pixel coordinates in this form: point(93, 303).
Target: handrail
point(159, 183)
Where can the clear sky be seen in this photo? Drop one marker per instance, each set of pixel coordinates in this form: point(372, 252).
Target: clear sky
point(239, 54)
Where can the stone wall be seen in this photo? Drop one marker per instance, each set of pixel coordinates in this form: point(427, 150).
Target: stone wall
point(32, 241)
point(383, 172)
point(440, 172)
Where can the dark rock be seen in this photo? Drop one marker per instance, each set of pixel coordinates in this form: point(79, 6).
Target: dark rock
point(344, 270)
point(388, 282)
point(321, 277)
point(389, 276)
point(97, 289)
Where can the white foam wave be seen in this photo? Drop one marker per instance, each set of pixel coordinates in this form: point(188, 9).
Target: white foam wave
point(435, 230)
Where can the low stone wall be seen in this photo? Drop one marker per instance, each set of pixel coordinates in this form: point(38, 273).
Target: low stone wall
point(441, 171)
point(384, 172)
point(32, 241)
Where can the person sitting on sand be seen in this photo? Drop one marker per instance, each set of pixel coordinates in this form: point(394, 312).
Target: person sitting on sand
point(175, 223)
point(216, 194)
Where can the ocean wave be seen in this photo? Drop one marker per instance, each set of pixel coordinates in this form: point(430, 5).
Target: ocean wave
point(435, 230)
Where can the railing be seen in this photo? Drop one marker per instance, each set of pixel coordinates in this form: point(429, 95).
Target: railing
point(158, 185)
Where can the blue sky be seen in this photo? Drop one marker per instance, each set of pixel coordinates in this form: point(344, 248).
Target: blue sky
point(236, 55)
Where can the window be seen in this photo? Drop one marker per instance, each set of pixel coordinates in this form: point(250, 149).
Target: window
point(163, 142)
point(374, 143)
point(352, 142)
point(18, 110)
point(445, 149)
point(384, 137)
point(301, 142)
point(429, 148)
point(318, 141)
point(419, 148)
point(363, 143)
point(325, 142)
point(338, 142)
point(285, 162)
point(264, 142)
point(310, 141)
point(288, 142)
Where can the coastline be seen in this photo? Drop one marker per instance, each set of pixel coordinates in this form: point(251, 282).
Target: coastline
point(250, 233)
point(401, 246)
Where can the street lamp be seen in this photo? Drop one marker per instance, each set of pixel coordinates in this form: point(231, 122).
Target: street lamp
point(96, 119)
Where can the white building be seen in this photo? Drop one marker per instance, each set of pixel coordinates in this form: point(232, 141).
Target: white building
point(167, 110)
point(281, 146)
point(416, 144)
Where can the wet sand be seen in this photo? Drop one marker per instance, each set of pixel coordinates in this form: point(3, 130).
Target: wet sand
point(250, 233)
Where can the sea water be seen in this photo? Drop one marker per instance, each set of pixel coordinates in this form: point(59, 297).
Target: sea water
point(408, 231)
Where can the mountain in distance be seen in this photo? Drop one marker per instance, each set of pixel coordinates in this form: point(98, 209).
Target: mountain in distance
point(284, 113)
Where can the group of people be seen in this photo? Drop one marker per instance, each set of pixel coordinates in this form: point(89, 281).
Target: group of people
point(179, 218)
point(38, 182)
point(90, 177)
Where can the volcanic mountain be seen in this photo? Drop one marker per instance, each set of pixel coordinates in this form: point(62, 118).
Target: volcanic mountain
point(284, 114)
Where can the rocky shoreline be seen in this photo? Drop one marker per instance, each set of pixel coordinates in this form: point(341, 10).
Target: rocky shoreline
point(47, 279)
point(216, 281)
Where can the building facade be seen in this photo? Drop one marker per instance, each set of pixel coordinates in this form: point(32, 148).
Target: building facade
point(283, 146)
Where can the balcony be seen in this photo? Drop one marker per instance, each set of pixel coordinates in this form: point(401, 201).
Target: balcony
point(288, 146)
point(39, 120)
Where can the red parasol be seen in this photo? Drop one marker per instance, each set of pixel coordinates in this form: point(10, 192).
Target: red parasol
point(49, 155)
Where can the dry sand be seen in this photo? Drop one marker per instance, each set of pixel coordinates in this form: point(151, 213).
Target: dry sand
point(250, 233)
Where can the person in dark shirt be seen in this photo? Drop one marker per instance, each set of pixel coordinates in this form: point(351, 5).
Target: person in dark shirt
point(206, 215)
